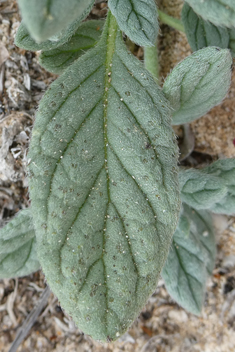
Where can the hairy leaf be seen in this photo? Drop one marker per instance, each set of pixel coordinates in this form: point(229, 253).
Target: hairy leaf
point(198, 83)
point(18, 255)
point(201, 33)
point(103, 184)
point(47, 18)
point(211, 188)
point(191, 259)
point(137, 18)
point(199, 189)
point(219, 12)
point(225, 170)
point(25, 41)
point(59, 59)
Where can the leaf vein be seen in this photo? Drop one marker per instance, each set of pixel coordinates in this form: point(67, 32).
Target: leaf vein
point(77, 214)
point(147, 136)
point(133, 179)
point(66, 98)
point(144, 88)
point(187, 277)
point(130, 248)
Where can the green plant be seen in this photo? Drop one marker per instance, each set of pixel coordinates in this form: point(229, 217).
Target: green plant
point(102, 165)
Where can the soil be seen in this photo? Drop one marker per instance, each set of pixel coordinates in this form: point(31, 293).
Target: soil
point(162, 326)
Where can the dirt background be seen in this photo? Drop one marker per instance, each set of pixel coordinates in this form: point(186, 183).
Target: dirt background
point(162, 325)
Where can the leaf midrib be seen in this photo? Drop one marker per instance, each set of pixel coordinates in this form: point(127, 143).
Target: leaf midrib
point(111, 34)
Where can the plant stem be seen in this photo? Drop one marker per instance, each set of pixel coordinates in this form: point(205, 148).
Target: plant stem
point(171, 21)
point(151, 61)
point(151, 53)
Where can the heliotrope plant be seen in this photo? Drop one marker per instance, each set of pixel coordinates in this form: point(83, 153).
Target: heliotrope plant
point(102, 165)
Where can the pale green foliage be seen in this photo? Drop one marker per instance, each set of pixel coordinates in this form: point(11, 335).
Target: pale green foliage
point(46, 18)
point(199, 189)
point(25, 41)
point(137, 18)
point(232, 41)
point(202, 33)
point(104, 188)
point(103, 166)
point(225, 170)
point(191, 259)
point(219, 12)
point(18, 255)
point(210, 188)
point(198, 83)
point(86, 37)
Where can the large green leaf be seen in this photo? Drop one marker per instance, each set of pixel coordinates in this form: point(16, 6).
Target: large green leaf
point(47, 18)
point(202, 33)
point(104, 188)
point(18, 255)
point(198, 83)
point(212, 187)
point(219, 12)
point(191, 259)
point(137, 18)
point(86, 36)
point(24, 40)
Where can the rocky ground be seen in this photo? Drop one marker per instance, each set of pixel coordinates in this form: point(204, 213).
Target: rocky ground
point(162, 326)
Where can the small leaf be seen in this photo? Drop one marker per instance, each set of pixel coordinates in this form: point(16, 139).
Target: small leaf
point(25, 41)
point(200, 190)
point(103, 185)
point(211, 188)
point(218, 12)
point(191, 259)
point(225, 170)
point(198, 83)
point(46, 18)
point(18, 255)
point(137, 18)
point(201, 33)
point(86, 36)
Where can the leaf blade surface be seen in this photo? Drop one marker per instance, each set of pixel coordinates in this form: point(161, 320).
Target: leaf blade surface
point(103, 183)
point(138, 19)
point(232, 41)
point(224, 169)
point(18, 255)
point(218, 12)
point(47, 18)
point(24, 40)
point(201, 33)
point(201, 190)
point(212, 187)
point(86, 36)
point(191, 259)
point(198, 83)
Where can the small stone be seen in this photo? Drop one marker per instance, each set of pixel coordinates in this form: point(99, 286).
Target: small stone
point(179, 316)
